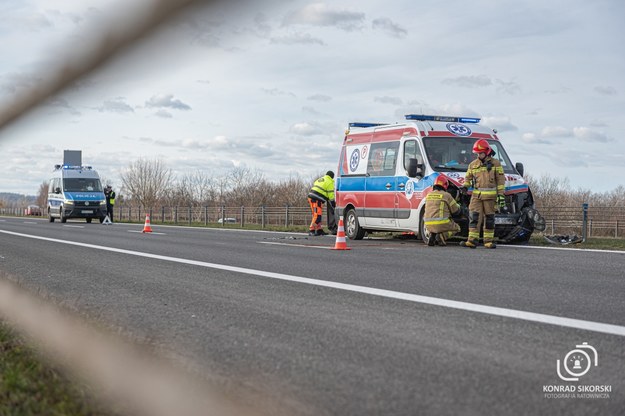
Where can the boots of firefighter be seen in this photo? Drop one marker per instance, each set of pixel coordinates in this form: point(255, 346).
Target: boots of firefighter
point(441, 240)
point(490, 244)
point(469, 243)
point(432, 239)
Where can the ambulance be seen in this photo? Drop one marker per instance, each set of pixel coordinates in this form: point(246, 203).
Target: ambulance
point(75, 192)
point(386, 170)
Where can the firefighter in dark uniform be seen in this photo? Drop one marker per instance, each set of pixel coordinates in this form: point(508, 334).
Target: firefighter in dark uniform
point(321, 192)
point(439, 207)
point(109, 193)
point(485, 175)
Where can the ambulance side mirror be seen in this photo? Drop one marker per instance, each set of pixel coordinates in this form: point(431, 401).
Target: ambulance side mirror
point(415, 169)
point(519, 168)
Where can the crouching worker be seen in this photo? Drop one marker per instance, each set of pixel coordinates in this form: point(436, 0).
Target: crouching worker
point(439, 207)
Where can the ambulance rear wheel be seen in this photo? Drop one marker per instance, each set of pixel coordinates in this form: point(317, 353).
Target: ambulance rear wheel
point(353, 230)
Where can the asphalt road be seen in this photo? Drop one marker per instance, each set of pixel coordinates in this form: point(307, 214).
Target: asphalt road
point(389, 327)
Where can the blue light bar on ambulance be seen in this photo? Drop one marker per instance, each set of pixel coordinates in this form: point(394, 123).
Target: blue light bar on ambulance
point(448, 119)
point(365, 125)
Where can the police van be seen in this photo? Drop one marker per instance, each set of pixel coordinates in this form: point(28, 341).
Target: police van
point(75, 192)
point(386, 171)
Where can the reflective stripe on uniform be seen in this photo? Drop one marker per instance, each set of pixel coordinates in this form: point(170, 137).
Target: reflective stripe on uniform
point(435, 221)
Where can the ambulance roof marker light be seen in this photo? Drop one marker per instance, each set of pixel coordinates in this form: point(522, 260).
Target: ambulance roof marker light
point(365, 125)
point(448, 119)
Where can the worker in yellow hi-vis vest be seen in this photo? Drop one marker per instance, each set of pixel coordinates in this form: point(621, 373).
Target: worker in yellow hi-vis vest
point(109, 193)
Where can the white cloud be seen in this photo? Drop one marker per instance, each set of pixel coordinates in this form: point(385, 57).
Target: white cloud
point(320, 14)
point(320, 97)
point(555, 131)
point(388, 100)
point(500, 123)
point(297, 39)
point(605, 90)
point(166, 101)
point(531, 138)
point(390, 27)
point(116, 105)
point(588, 135)
point(305, 129)
point(469, 81)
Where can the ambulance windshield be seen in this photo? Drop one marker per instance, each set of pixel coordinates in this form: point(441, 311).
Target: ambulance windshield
point(82, 185)
point(455, 153)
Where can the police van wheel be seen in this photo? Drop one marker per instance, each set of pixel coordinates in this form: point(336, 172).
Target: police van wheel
point(352, 229)
point(88, 220)
point(50, 217)
point(61, 216)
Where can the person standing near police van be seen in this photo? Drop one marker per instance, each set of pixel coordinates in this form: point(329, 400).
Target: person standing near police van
point(109, 193)
point(485, 174)
point(440, 206)
point(321, 192)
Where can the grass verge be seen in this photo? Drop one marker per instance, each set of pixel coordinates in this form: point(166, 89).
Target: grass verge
point(30, 386)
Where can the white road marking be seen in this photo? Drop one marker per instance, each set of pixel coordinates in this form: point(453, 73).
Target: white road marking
point(74, 226)
point(30, 222)
point(471, 307)
point(592, 250)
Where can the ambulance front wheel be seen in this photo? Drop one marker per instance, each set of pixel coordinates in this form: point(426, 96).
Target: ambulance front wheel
point(353, 230)
point(425, 234)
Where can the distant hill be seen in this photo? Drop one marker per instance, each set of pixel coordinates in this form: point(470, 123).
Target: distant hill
point(12, 198)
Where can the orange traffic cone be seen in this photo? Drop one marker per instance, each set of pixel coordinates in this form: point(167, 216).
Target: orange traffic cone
point(340, 243)
point(147, 228)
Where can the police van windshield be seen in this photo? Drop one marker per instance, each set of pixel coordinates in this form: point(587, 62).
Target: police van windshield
point(455, 153)
point(82, 185)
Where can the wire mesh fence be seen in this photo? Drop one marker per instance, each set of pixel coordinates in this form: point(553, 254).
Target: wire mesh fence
point(597, 222)
point(262, 216)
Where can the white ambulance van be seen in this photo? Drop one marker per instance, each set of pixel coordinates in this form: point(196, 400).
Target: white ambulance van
point(75, 192)
point(386, 171)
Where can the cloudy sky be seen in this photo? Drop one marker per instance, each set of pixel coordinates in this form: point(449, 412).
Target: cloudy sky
point(272, 85)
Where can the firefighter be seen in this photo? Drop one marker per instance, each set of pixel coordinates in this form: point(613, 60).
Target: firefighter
point(485, 175)
point(439, 206)
point(109, 193)
point(321, 192)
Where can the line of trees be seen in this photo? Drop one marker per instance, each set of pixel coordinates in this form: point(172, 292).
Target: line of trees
point(150, 183)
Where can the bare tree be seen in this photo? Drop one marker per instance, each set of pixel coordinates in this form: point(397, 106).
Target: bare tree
point(145, 181)
point(42, 195)
point(197, 187)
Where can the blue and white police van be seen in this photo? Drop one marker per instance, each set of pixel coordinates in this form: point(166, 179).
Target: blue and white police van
point(75, 192)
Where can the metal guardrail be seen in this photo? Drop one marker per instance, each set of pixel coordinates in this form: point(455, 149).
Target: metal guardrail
point(587, 222)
